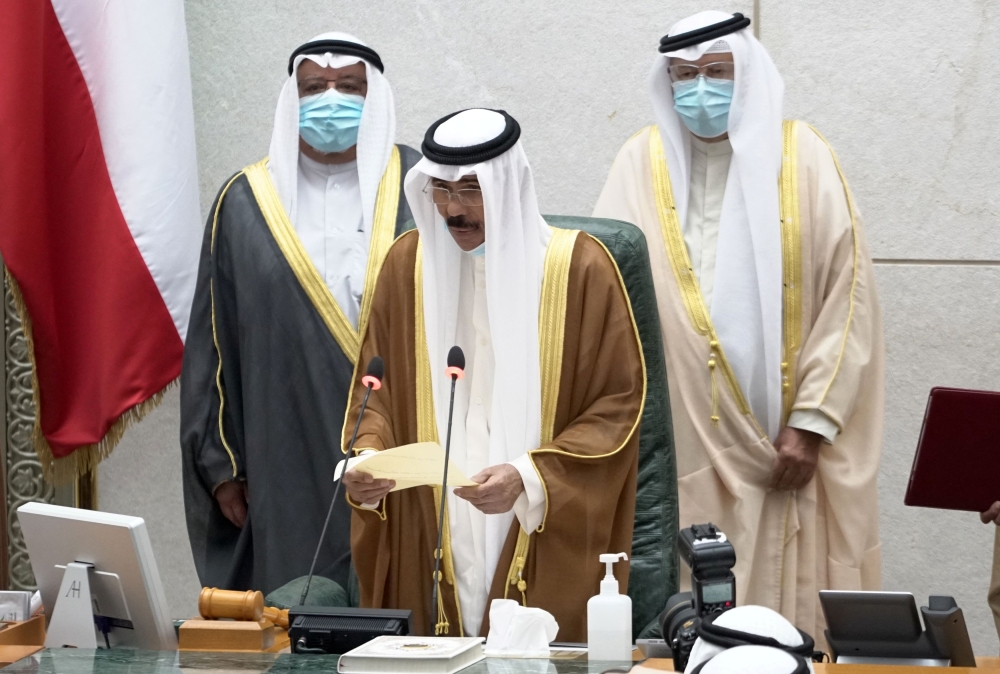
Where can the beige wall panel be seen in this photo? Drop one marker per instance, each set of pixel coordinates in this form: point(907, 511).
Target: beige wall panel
point(907, 94)
point(941, 327)
point(573, 74)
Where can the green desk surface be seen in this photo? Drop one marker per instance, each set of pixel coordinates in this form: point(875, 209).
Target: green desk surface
point(125, 661)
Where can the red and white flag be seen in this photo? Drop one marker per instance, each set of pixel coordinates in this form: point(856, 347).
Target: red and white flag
point(99, 218)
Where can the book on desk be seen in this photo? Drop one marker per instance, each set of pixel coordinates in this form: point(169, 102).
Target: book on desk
point(420, 655)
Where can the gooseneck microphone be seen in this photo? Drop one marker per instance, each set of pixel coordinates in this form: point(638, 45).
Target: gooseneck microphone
point(455, 371)
point(373, 382)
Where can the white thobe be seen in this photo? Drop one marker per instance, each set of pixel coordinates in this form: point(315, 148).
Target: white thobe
point(470, 450)
point(330, 223)
point(709, 172)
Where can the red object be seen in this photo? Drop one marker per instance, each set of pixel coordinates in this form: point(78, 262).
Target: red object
point(957, 465)
point(370, 380)
point(104, 340)
point(454, 372)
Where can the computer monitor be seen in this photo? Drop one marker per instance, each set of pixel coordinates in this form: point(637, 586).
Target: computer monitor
point(124, 583)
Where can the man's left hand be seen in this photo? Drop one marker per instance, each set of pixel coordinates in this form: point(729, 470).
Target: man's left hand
point(991, 515)
point(798, 453)
point(498, 488)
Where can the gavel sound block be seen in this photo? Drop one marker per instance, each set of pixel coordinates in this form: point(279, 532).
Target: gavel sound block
point(234, 621)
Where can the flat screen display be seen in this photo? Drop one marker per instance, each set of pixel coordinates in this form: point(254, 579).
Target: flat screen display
point(716, 593)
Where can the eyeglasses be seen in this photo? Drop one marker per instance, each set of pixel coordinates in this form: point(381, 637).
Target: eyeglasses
point(317, 85)
point(441, 196)
point(721, 70)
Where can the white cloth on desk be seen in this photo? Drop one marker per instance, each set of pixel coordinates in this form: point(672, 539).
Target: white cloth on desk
point(331, 226)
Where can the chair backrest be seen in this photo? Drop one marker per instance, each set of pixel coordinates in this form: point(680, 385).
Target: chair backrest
point(653, 567)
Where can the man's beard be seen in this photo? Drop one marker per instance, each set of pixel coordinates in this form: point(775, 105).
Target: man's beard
point(462, 223)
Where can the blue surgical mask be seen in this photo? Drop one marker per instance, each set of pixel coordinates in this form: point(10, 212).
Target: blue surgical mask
point(478, 251)
point(329, 121)
point(703, 105)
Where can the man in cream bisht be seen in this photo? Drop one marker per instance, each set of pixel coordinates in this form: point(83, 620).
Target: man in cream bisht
point(292, 248)
point(546, 417)
point(770, 319)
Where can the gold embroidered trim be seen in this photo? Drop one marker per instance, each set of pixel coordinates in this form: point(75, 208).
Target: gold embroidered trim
point(687, 282)
point(426, 423)
point(427, 432)
point(215, 336)
point(383, 234)
point(554, 378)
point(298, 259)
point(551, 334)
point(552, 322)
point(854, 278)
point(791, 255)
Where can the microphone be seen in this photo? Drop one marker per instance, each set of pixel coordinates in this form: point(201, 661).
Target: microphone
point(455, 371)
point(373, 382)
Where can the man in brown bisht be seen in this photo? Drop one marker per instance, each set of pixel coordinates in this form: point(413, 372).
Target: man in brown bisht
point(770, 319)
point(546, 418)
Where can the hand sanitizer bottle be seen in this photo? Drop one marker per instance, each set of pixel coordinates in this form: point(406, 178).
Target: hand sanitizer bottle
point(609, 618)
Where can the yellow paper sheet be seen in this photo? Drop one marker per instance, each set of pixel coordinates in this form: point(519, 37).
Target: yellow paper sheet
point(421, 463)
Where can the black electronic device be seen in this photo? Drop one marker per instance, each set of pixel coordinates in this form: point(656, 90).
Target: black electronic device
point(323, 630)
point(711, 558)
point(884, 628)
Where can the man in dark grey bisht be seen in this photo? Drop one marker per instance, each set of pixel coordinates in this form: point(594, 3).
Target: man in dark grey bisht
point(292, 248)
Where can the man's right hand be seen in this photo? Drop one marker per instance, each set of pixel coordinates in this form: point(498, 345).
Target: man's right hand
point(365, 489)
point(991, 515)
point(232, 498)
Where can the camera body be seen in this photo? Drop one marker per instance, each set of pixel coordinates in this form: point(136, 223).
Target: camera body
point(711, 558)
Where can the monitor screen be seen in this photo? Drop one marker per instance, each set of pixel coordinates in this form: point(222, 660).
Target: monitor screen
point(716, 593)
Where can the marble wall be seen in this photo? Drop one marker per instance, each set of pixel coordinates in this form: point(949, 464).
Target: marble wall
point(901, 89)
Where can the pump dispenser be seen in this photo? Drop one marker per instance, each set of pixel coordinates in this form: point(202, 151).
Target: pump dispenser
point(609, 618)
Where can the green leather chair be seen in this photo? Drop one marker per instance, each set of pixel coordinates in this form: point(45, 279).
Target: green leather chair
point(653, 570)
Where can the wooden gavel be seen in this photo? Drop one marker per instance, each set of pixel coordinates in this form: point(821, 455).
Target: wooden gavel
point(235, 605)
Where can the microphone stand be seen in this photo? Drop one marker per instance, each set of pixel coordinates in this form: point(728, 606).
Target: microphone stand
point(336, 492)
point(444, 502)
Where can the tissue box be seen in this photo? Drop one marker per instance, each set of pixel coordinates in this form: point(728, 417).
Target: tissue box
point(15, 606)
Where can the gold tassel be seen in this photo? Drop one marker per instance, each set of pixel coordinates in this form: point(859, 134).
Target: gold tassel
point(515, 575)
point(715, 386)
point(442, 620)
point(83, 459)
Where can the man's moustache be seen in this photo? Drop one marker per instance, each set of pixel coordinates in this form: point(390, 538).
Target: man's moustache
point(461, 222)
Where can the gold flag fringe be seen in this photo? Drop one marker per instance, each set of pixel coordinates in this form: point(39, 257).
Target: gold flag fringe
point(83, 459)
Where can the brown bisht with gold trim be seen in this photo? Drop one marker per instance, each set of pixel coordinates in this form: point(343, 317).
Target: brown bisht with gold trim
point(789, 545)
point(593, 388)
point(267, 371)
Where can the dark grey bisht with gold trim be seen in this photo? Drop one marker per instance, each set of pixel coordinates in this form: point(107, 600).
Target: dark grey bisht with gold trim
point(268, 364)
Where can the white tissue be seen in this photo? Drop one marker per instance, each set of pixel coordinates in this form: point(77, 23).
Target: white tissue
point(519, 631)
point(36, 603)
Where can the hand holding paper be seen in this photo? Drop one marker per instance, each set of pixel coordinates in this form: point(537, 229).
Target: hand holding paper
point(421, 463)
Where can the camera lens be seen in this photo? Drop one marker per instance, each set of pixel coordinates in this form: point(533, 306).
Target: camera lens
point(678, 624)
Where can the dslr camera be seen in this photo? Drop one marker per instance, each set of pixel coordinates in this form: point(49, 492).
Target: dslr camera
point(711, 558)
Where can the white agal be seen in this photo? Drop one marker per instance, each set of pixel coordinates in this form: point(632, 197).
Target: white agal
point(609, 618)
